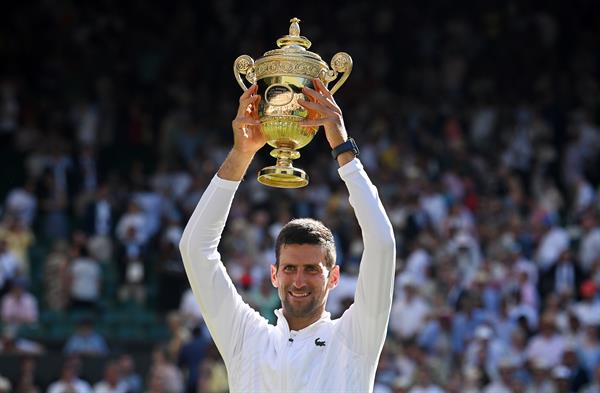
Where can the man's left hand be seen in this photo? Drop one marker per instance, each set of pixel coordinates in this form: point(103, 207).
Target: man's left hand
point(323, 111)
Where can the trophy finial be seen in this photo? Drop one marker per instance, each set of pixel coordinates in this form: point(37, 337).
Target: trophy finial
point(294, 27)
point(294, 38)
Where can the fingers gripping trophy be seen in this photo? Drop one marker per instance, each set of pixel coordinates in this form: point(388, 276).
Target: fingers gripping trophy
point(279, 76)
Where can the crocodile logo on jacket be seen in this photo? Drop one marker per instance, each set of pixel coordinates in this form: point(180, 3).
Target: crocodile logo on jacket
point(319, 343)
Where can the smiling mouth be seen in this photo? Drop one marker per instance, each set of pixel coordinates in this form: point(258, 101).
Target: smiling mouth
point(299, 295)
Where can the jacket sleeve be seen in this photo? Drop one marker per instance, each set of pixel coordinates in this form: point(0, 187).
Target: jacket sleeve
point(227, 317)
point(365, 322)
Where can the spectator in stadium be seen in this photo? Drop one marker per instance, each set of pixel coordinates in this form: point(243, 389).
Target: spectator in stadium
point(129, 377)
point(192, 355)
point(589, 250)
point(19, 307)
point(189, 309)
point(86, 341)
point(11, 343)
point(9, 267)
point(540, 377)
point(19, 238)
point(423, 382)
point(164, 377)
point(69, 380)
point(304, 273)
point(99, 222)
point(594, 387)
point(22, 203)
point(549, 344)
point(179, 334)
point(85, 278)
point(112, 382)
point(5, 385)
point(56, 277)
point(28, 381)
point(578, 377)
point(409, 310)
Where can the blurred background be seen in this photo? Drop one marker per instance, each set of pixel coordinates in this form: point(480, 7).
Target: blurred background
point(478, 122)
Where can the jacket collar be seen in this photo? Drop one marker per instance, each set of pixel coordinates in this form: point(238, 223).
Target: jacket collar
point(282, 323)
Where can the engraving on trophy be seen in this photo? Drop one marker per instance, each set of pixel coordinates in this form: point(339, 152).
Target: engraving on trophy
point(279, 95)
point(278, 67)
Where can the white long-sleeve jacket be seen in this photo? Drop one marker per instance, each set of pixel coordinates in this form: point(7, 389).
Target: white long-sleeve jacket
point(328, 356)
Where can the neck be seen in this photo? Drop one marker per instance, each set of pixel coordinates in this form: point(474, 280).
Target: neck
point(299, 323)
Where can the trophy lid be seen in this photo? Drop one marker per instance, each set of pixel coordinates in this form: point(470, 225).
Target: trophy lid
point(293, 44)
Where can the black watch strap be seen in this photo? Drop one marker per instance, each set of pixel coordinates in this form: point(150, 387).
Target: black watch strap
point(349, 145)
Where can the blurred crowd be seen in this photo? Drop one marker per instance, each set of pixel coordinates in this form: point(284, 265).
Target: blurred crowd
point(479, 125)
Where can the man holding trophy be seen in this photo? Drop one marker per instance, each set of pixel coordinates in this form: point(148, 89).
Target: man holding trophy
point(306, 351)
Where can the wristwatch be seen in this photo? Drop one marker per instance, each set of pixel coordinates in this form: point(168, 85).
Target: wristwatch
point(349, 145)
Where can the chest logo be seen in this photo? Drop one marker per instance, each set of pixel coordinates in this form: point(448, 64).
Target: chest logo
point(319, 343)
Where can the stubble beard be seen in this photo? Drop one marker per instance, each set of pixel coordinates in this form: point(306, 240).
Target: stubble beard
point(296, 310)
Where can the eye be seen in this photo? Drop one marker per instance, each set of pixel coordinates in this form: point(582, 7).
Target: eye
point(289, 268)
point(312, 269)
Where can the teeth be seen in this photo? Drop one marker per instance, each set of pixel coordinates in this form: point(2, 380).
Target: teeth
point(299, 294)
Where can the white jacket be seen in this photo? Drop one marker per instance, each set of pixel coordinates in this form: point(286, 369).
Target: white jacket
point(328, 356)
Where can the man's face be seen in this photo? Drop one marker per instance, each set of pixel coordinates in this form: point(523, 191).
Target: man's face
point(303, 281)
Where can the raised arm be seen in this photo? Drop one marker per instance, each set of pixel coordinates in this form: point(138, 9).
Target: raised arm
point(373, 299)
point(368, 317)
point(225, 313)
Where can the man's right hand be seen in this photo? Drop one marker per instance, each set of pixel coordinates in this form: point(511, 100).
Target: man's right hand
point(247, 137)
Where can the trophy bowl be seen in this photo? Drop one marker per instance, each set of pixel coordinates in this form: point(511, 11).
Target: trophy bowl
point(280, 75)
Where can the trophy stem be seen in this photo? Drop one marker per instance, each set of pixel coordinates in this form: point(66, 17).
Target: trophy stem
point(283, 174)
point(285, 156)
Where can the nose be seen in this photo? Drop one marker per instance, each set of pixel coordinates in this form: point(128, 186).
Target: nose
point(299, 279)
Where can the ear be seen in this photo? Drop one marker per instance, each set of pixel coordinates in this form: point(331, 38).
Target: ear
point(334, 277)
point(274, 280)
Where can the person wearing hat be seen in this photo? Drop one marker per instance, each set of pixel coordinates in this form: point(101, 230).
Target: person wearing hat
point(541, 381)
point(505, 380)
point(484, 351)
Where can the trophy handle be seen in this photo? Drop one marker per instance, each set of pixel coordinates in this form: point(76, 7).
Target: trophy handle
point(340, 63)
point(244, 65)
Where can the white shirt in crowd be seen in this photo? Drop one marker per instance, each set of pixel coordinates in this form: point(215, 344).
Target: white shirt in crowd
point(190, 309)
point(589, 250)
point(9, 266)
point(104, 387)
point(75, 386)
point(554, 242)
point(86, 275)
point(426, 389)
point(22, 203)
point(408, 317)
point(548, 348)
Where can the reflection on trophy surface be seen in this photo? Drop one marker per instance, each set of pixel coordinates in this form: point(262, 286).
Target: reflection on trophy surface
point(280, 75)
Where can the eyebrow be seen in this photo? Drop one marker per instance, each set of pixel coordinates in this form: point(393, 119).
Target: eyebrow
point(282, 264)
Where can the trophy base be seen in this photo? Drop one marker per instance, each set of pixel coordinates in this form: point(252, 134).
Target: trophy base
point(283, 177)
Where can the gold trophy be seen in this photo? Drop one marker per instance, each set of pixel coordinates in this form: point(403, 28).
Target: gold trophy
point(281, 74)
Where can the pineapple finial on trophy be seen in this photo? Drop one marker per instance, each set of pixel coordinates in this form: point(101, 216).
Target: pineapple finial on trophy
point(294, 27)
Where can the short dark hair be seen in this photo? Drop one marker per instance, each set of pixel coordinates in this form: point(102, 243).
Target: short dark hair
point(306, 231)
